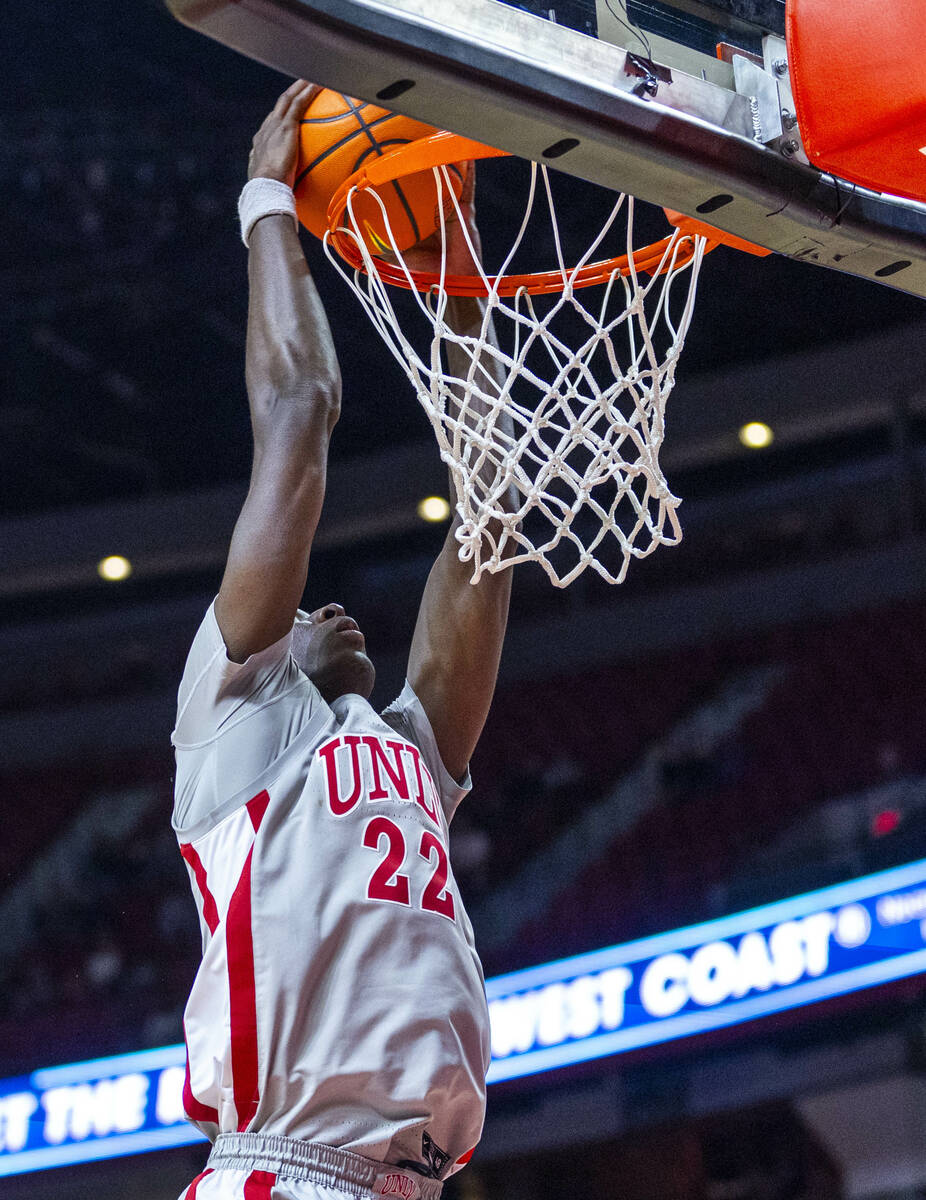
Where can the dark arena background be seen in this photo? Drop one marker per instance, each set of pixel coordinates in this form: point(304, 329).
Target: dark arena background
point(697, 825)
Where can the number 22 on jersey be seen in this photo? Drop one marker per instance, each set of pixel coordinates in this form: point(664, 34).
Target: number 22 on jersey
point(389, 882)
point(363, 769)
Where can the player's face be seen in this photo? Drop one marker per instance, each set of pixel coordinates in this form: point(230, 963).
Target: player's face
point(331, 650)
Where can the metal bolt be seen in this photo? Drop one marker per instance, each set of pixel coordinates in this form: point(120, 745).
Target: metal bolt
point(780, 66)
point(788, 119)
point(789, 148)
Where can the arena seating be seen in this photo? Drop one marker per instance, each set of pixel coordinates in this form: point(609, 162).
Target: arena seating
point(552, 746)
point(44, 800)
point(818, 736)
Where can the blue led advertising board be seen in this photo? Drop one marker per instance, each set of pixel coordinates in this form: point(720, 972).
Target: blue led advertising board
point(720, 973)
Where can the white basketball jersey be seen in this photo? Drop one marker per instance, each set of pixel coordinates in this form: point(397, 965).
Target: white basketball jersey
point(340, 999)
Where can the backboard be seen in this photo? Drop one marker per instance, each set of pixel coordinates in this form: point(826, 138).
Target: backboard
point(630, 94)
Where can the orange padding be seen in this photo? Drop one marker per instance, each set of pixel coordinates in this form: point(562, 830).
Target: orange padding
point(858, 75)
point(702, 229)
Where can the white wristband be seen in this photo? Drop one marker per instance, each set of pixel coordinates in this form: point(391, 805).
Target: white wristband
point(261, 197)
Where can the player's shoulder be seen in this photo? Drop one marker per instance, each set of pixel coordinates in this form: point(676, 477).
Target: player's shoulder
point(264, 743)
point(216, 692)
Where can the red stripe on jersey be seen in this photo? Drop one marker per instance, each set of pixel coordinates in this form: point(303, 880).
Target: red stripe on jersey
point(190, 1193)
point(464, 1158)
point(193, 1108)
point(239, 941)
point(257, 806)
point(210, 912)
point(258, 1184)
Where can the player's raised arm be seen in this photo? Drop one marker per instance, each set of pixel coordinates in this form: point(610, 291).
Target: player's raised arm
point(457, 644)
point(294, 386)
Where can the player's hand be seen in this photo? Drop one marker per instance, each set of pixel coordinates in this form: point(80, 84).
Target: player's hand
point(426, 256)
point(275, 148)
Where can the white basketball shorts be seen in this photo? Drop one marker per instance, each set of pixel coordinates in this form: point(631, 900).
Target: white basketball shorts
point(255, 1166)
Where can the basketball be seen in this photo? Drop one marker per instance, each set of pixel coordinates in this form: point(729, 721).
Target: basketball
point(338, 135)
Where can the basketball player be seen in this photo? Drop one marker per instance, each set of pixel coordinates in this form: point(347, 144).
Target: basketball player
point(337, 1032)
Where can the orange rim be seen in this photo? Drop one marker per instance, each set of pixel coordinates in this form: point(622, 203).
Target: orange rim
point(443, 149)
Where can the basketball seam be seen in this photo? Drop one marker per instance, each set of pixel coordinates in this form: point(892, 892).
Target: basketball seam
point(408, 210)
point(358, 162)
point(334, 117)
point(403, 199)
point(365, 127)
point(343, 142)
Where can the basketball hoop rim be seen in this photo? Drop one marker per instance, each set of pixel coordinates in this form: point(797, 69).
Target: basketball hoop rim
point(442, 149)
point(599, 401)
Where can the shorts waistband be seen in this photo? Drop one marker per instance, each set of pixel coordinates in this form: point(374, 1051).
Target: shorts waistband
point(313, 1162)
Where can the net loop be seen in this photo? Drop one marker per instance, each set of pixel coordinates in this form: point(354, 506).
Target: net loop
point(552, 438)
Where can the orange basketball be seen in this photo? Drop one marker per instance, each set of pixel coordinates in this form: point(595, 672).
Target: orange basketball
point(338, 135)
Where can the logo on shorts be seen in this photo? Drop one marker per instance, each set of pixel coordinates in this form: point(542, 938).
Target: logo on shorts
point(435, 1159)
point(398, 1185)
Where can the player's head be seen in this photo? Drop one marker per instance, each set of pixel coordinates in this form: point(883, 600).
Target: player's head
point(329, 647)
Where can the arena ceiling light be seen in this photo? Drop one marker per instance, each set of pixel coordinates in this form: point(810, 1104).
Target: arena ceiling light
point(433, 509)
point(756, 435)
point(114, 568)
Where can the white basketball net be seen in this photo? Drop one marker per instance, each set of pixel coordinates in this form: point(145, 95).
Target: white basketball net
point(577, 446)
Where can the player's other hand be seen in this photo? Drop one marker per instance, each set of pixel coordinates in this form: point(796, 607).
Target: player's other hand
point(275, 148)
